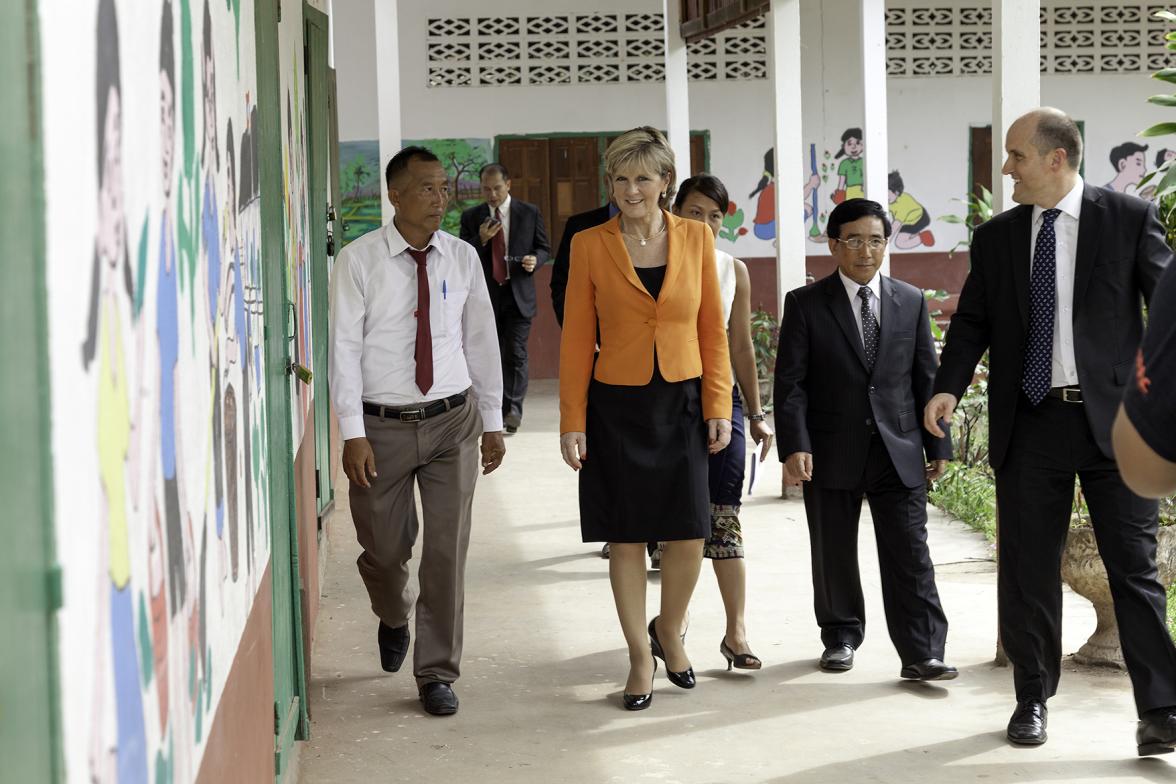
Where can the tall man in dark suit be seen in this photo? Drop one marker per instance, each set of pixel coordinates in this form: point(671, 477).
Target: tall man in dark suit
point(853, 370)
point(511, 241)
point(563, 256)
point(1053, 296)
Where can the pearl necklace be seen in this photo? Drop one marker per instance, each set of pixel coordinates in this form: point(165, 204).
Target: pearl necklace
point(644, 240)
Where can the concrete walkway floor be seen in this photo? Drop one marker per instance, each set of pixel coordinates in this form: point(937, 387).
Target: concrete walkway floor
point(545, 665)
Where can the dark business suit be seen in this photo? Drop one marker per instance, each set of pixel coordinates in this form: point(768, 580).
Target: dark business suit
point(514, 301)
point(563, 256)
point(862, 428)
point(1037, 450)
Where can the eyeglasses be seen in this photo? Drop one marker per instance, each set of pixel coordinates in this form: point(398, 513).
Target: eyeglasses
point(857, 243)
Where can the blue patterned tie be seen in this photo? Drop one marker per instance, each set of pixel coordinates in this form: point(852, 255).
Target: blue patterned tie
point(1035, 379)
point(870, 328)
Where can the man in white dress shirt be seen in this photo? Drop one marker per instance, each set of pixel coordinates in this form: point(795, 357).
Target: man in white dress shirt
point(415, 378)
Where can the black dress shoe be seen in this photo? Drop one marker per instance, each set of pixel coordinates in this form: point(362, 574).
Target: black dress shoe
point(393, 646)
point(438, 698)
point(837, 658)
point(1156, 733)
point(1027, 725)
point(929, 670)
point(685, 678)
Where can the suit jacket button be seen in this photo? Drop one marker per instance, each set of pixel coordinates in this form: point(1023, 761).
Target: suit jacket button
point(869, 423)
point(873, 390)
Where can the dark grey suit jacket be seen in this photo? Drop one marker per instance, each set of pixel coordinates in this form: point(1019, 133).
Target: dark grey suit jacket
point(827, 400)
point(527, 237)
point(1120, 255)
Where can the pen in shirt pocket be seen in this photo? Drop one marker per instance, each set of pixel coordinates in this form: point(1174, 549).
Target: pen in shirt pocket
point(444, 289)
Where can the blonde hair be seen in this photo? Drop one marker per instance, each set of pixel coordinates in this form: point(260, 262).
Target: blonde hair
point(645, 148)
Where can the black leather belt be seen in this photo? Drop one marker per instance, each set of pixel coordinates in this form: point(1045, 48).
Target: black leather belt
point(1067, 394)
point(418, 412)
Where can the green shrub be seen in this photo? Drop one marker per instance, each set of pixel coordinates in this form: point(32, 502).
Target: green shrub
point(968, 493)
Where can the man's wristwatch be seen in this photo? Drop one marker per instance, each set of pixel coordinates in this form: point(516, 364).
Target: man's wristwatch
point(756, 417)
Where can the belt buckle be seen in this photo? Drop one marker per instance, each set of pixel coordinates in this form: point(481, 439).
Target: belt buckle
point(412, 415)
point(1066, 395)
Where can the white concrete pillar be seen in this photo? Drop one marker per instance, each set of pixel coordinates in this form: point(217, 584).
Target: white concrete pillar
point(388, 89)
point(677, 89)
point(784, 68)
point(1016, 80)
point(874, 117)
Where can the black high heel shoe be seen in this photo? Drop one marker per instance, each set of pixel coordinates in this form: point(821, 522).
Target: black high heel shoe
point(741, 661)
point(636, 702)
point(683, 679)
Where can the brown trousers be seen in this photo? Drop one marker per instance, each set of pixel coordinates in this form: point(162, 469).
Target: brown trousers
point(441, 454)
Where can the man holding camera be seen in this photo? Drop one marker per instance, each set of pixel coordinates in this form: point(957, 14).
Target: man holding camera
point(511, 242)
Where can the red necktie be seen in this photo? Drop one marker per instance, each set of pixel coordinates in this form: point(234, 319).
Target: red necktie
point(498, 250)
point(424, 332)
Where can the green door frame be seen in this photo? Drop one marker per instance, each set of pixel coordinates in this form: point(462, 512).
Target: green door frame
point(318, 157)
point(290, 719)
point(30, 581)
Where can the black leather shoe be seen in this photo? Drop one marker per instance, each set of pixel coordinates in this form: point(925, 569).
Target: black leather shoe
point(393, 646)
point(837, 658)
point(1156, 733)
point(685, 678)
point(929, 670)
point(1027, 725)
point(438, 698)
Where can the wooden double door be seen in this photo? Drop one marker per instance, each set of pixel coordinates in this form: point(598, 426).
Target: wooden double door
point(563, 175)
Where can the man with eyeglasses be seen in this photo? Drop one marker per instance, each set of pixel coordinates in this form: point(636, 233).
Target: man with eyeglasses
point(854, 369)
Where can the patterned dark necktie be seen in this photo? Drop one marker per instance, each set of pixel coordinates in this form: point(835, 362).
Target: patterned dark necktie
point(870, 327)
point(498, 251)
point(1035, 378)
point(424, 331)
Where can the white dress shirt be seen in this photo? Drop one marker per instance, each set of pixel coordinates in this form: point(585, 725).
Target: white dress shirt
point(855, 302)
point(373, 328)
point(1065, 368)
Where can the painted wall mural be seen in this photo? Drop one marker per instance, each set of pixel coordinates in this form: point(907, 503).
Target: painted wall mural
point(361, 187)
point(159, 404)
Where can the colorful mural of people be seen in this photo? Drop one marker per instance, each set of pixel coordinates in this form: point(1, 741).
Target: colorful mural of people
point(170, 362)
point(911, 220)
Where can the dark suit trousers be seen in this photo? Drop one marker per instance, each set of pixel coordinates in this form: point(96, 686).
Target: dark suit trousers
point(1051, 443)
point(513, 331)
point(914, 615)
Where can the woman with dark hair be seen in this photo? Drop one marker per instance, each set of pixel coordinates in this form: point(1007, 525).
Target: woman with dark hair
point(652, 403)
point(704, 198)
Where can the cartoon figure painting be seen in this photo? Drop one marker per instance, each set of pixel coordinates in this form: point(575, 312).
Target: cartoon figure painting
point(911, 221)
point(1130, 165)
point(764, 223)
point(851, 171)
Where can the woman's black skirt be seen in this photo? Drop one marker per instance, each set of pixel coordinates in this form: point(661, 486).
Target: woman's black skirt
point(645, 478)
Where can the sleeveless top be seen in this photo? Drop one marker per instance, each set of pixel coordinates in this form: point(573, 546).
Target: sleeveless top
point(725, 264)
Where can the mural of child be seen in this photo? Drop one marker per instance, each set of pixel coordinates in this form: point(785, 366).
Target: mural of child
point(764, 223)
point(1130, 165)
point(851, 172)
point(910, 218)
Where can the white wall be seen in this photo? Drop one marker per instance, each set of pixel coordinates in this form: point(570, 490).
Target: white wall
point(929, 118)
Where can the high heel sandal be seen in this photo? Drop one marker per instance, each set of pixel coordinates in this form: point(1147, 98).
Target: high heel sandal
point(741, 661)
point(685, 678)
point(636, 702)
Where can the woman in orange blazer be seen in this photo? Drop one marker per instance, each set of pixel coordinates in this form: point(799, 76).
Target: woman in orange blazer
point(652, 403)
